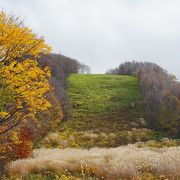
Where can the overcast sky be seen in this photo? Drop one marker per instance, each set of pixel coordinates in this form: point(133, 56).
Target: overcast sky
point(104, 33)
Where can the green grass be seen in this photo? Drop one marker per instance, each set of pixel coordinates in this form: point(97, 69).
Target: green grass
point(102, 114)
point(102, 104)
point(102, 95)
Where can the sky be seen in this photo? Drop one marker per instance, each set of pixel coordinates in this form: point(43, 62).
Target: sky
point(105, 33)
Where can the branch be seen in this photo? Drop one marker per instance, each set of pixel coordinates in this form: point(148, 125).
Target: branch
point(10, 128)
point(4, 120)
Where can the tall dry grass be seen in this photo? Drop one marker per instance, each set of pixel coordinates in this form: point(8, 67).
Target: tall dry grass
point(113, 163)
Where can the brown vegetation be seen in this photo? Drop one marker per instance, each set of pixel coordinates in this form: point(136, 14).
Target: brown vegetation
point(160, 93)
point(126, 162)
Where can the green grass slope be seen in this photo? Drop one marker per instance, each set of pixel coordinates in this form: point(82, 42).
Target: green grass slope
point(102, 112)
point(102, 95)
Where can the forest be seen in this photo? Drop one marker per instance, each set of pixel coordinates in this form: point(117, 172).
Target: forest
point(59, 121)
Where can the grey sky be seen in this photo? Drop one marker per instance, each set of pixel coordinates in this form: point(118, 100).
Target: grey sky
point(104, 33)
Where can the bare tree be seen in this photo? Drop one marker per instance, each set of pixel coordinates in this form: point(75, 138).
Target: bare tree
point(160, 93)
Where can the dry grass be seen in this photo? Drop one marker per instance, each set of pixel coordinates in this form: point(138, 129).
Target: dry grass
point(122, 162)
point(90, 135)
point(51, 138)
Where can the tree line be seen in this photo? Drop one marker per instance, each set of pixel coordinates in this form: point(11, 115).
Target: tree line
point(160, 94)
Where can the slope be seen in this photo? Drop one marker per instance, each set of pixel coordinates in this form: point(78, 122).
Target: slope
point(105, 111)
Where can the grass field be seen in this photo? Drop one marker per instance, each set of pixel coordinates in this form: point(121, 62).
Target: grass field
point(102, 95)
point(102, 112)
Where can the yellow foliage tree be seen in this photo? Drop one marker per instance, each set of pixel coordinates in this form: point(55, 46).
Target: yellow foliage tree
point(20, 73)
point(18, 41)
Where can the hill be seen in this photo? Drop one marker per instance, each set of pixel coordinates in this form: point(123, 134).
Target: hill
point(105, 112)
point(102, 96)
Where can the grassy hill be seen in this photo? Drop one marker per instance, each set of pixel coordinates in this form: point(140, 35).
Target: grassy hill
point(103, 95)
point(105, 112)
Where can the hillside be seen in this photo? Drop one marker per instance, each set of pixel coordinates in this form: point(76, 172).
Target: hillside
point(104, 96)
point(105, 112)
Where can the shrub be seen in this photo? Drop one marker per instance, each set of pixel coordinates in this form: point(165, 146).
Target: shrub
point(23, 146)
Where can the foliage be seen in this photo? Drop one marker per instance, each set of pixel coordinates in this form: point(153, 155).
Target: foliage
point(50, 119)
point(23, 87)
point(6, 96)
point(23, 84)
point(29, 83)
point(18, 41)
point(23, 145)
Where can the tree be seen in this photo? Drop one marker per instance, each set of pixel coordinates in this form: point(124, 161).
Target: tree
point(160, 94)
point(23, 84)
point(17, 42)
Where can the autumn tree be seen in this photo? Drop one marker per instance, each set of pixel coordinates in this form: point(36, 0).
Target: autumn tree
point(160, 94)
point(23, 84)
